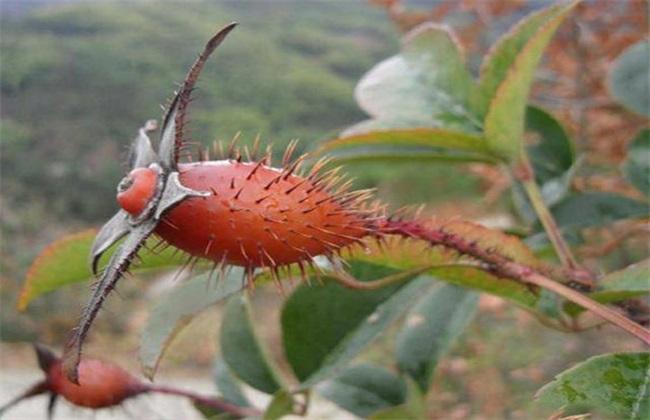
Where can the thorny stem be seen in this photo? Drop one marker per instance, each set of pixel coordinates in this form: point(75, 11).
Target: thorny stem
point(212, 402)
point(504, 267)
point(526, 176)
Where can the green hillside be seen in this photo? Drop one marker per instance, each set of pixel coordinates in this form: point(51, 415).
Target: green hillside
point(78, 80)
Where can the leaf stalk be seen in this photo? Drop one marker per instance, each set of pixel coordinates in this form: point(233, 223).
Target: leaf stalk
point(526, 176)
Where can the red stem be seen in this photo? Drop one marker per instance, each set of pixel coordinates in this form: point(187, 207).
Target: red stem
point(212, 402)
point(505, 267)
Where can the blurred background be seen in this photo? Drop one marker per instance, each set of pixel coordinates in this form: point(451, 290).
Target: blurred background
point(78, 78)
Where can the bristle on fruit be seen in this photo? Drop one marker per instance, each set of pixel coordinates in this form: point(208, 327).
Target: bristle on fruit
point(258, 216)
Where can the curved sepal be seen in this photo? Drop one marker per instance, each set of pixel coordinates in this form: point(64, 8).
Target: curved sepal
point(168, 139)
point(174, 193)
point(171, 138)
point(117, 266)
point(141, 154)
point(45, 357)
point(111, 232)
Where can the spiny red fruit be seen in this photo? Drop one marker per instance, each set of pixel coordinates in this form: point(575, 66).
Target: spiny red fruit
point(257, 216)
point(137, 189)
point(260, 216)
point(101, 384)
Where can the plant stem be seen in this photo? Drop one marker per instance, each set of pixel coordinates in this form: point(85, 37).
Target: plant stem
point(212, 402)
point(348, 281)
point(505, 267)
point(526, 176)
point(561, 247)
point(526, 275)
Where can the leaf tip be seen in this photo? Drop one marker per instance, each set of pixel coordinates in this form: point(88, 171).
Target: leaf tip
point(28, 291)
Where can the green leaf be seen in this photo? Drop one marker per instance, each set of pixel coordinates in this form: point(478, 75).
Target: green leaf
point(324, 327)
point(211, 413)
point(393, 153)
point(280, 406)
point(503, 54)
point(387, 123)
point(229, 389)
point(615, 384)
point(427, 81)
point(637, 164)
point(591, 209)
point(632, 281)
point(633, 278)
point(228, 385)
point(435, 49)
point(242, 350)
point(551, 153)
point(549, 304)
point(480, 280)
point(393, 88)
point(413, 409)
point(628, 78)
point(431, 328)
point(557, 189)
point(364, 389)
point(176, 309)
point(431, 137)
point(65, 262)
point(505, 118)
point(445, 144)
point(417, 99)
point(315, 319)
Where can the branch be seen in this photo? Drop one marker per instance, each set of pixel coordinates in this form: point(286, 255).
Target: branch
point(526, 275)
point(526, 176)
point(212, 402)
point(348, 281)
point(504, 267)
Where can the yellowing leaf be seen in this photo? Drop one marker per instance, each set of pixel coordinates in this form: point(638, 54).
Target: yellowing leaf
point(62, 262)
point(503, 53)
point(504, 122)
point(486, 238)
point(437, 143)
point(65, 262)
point(452, 268)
